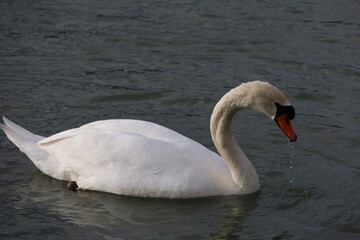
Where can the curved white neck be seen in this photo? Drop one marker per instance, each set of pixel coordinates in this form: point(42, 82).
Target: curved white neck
point(242, 171)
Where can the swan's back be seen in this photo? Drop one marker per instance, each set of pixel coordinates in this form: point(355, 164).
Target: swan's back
point(143, 128)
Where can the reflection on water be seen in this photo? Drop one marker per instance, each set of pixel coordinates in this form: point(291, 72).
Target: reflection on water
point(139, 217)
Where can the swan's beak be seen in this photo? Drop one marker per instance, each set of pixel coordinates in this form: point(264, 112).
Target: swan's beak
point(284, 123)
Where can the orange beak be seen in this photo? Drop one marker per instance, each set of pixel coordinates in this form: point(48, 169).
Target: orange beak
point(284, 123)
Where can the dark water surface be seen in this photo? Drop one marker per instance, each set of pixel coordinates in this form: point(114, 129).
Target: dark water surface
point(67, 63)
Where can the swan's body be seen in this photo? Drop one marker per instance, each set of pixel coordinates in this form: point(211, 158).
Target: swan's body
point(139, 158)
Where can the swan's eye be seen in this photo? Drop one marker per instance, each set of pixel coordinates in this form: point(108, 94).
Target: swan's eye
point(289, 110)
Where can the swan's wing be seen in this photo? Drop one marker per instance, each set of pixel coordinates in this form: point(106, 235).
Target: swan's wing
point(86, 151)
point(122, 162)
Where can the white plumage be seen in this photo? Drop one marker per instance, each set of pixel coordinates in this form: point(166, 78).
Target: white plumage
point(139, 158)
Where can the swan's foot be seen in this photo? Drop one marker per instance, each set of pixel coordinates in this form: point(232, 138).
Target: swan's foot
point(72, 186)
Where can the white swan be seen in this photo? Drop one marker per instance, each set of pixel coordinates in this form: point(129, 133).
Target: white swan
point(139, 158)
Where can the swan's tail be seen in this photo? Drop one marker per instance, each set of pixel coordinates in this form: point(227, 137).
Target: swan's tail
point(18, 135)
point(27, 142)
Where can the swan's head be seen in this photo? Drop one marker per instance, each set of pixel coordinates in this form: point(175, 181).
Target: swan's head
point(268, 99)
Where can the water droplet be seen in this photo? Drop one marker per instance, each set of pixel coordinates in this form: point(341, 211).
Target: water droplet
point(306, 194)
point(292, 154)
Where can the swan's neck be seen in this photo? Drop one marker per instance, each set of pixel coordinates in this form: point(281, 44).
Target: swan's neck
point(242, 171)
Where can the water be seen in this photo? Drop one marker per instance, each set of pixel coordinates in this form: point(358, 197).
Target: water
point(66, 63)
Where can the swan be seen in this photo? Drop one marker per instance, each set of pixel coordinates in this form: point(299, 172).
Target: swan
point(144, 159)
